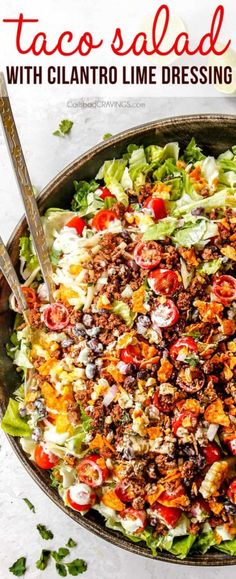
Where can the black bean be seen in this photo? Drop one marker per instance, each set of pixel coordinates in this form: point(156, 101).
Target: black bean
point(129, 382)
point(144, 321)
point(90, 371)
point(79, 330)
point(67, 342)
point(95, 346)
point(129, 370)
point(142, 375)
point(87, 320)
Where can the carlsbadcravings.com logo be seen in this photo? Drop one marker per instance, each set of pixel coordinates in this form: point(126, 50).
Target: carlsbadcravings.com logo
point(158, 42)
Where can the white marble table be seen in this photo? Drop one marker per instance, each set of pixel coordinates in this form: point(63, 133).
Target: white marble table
point(46, 155)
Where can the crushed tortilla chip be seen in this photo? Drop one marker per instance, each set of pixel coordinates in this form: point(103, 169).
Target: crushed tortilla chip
point(229, 252)
point(138, 301)
point(209, 311)
point(165, 370)
point(215, 413)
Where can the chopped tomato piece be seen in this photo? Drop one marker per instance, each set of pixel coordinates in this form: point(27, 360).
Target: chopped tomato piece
point(163, 281)
point(224, 288)
point(156, 206)
point(211, 452)
point(105, 192)
point(231, 492)
point(56, 316)
point(125, 491)
point(183, 344)
point(186, 420)
point(165, 314)
point(164, 403)
point(77, 223)
point(92, 470)
point(131, 355)
point(168, 515)
point(147, 254)
point(103, 218)
point(133, 519)
point(81, 497)
point(43, 459)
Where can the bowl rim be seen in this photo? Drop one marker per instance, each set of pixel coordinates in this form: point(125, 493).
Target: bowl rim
point(213, 559)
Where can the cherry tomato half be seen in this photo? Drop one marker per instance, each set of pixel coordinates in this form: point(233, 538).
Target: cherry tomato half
point(232, 446)
point(156, 207)
point(224, 288)
point(105, 192)
point(30, 296)
point(211, 452)
point(163, 281)
point(163, 402)
point(56, 316)
point(103, 218)
point(77, 223)
point(147, 254)
point(231, 492)
point(200, 510)
point(174, 497)
point(190, 379)
point(168, 515)
point(165, 314)
point(43, 459)
point(182, 345)
point(125, 491)
point(131, 355)
point(186, 420)
point(81, 497)
point(135, 516)
point(92, 471)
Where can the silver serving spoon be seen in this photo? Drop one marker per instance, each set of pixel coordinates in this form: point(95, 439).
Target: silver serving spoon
point(25, 186)
point(10, 274)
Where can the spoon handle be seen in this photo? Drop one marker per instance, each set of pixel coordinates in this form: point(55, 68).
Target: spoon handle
point(25, 186)
point(9, 273)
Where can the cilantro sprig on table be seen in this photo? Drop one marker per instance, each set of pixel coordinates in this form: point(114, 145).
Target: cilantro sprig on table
point(65, 127)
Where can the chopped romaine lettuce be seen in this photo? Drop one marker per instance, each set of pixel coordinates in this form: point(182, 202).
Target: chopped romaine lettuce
point(164, 228)
point(193, 153)
point(228, 547)
point(122, 310)
point(12, 423)
point(82, 189)
point(210, 267)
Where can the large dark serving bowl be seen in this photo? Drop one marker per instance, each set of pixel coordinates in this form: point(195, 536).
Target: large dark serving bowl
point(215, 133)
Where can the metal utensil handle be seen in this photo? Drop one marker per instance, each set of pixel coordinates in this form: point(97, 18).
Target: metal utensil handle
point(24, 182)
point(10, 274)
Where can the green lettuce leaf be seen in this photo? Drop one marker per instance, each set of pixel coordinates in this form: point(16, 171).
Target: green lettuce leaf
point(193, 153)
point(112, 172)
point(210, 267)
point(228, 547)
point(53, 221)
point(75, 442)
point(164, 228)
point(190, 234)
point(204, 542)
point(29, 261)
point(218, 200)
point(12, 423)
point(82, 190)
point(122, 310)
point(181, 547)
point(210, 170)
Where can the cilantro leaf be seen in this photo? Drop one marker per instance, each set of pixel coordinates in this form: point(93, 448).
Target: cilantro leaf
point(60, 554)
point(44, 532)
point(76, 567)
point(43, 560)
point(61, 569)
point(19, 567)
point(65, 127)
point(71, 543)
point(29, 504)
point(107, 136)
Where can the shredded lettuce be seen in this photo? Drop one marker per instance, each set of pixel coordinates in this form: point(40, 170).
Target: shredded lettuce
point(29, 261)
point(210, 267)
point(53, 221)
point(193, 153)
point(82, 189)
point(122, 310)
point(190, 234)
point(218, 200)
point(75, 442)
point(12, 423)
point(210, 170)
point(164, 228)
point(112, 172)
